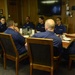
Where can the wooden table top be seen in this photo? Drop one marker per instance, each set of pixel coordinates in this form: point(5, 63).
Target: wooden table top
point(66, 43)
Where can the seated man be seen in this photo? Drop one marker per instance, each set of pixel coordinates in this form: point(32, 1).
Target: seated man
point(18, 39)
point(59, 27)
point(40, 26)
point(49, 33)
point(28, 24)
point(2, 24)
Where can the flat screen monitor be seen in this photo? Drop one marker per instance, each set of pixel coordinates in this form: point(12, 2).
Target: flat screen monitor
point(49, 7)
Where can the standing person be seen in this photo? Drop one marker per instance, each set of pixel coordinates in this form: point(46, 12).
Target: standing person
point(59, 27)
point(49, 33)
point(19, 40)
point(40, 26)
point(3, 26)
point(28, 24)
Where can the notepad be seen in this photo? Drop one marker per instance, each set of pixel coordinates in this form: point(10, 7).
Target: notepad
point(66, 39)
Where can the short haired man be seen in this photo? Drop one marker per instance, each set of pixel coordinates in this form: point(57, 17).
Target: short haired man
point(28, 24)
point(40, 26)
point(19, 40)
point(49, 33)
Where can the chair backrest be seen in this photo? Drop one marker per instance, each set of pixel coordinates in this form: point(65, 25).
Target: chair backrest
point(40, 51)
point(8, 45)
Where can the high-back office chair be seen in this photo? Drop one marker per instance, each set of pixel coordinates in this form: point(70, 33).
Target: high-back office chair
point(10, 51)
point(41, 54)
point(1, 51)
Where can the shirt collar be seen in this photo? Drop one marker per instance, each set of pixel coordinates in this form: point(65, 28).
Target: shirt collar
point(10, 29)
point(50, 32)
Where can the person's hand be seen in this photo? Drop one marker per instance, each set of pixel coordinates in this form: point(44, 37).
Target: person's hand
point(17, 29)
point(58, 35)
point(64, 33)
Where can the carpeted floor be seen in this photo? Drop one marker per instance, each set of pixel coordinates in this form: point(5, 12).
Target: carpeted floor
point(24, 69)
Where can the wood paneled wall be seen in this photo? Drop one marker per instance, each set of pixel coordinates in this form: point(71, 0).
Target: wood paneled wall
point(30, 8)
point(2, 6)
point(71, 20)
point(14, 10)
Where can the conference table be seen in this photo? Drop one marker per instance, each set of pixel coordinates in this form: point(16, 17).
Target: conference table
point(65, 42)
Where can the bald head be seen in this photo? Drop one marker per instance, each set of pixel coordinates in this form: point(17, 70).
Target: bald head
point(49, 24)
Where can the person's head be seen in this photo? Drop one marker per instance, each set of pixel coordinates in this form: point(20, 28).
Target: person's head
point(49, 25)
point(27, 19)
point(58, 20)
point(2, 20)
point(11, 24)
point(41, 19)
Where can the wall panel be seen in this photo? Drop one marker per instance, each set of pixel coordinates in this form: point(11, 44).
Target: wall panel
point(30, 8)
point(2, 6)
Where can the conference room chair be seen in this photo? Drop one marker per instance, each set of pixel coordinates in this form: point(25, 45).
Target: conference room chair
point(1, 51)
point(41, 55)
point(10, 51)
point(71, 58)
